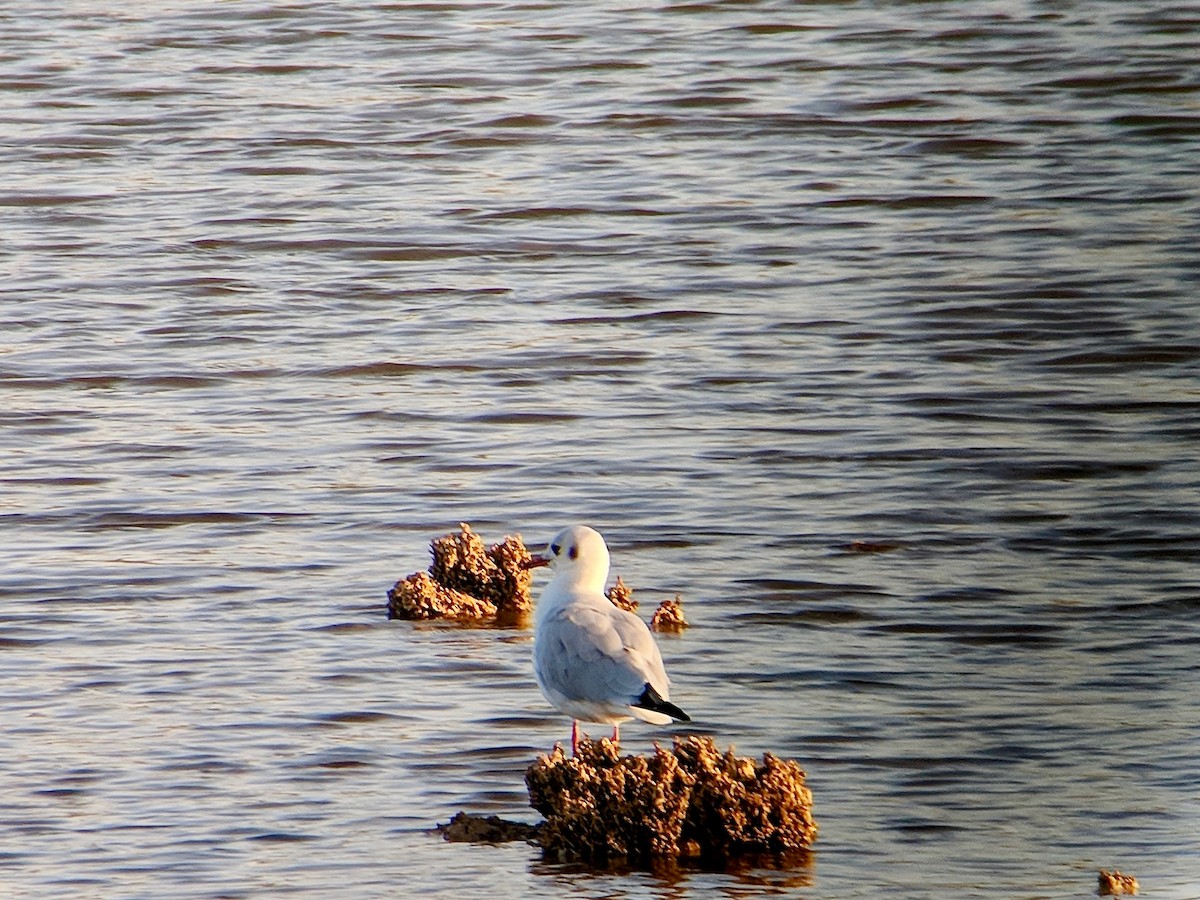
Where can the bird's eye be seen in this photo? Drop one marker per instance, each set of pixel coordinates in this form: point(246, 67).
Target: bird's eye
point(555, 549)
point(573, 551)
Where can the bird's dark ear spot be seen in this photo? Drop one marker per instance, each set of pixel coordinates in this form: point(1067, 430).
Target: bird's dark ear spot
point(573, 551)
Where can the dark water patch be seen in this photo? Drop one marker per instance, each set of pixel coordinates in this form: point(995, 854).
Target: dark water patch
point(1064, 470)
point(1159, 126)
point(50, 200)
point(545, 212)
point(11, 643)
point(979, 634)
point(666, 316)
point(919, 830)
point(808, 618)
point(358, 717)
point(61, 793)
point(342, 764)
point(970, 147)
point(1185, 607)
point(971, 595)
point(282, 837)
point(1124, 359)
point(136, 520)
point(109, 382)
point(523, 120)
point(913, 202)
point(1110, 541)
point(870, 546)
point(786, 590)
point(1132, 82)
point(384, 370)
point(509, 721)
point(769, 28)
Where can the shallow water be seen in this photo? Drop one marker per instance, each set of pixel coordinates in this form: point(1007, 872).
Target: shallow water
point(870, 328)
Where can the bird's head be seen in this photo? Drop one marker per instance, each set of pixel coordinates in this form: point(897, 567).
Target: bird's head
point(577, 553)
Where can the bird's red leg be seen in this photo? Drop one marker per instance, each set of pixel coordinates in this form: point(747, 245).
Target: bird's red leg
point(574, 736)
point(616, 738)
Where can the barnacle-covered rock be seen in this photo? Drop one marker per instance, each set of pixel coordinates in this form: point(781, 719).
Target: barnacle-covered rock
point(467, 580)
point(669, 616)
point(511, 576)
point(692, 802)
point(621, 596)
point(498, 574)
point(1115, 884)
point(420, 597)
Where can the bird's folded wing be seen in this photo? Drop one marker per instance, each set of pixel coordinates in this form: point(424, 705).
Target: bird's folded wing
point(587, 655)
point(600, 654)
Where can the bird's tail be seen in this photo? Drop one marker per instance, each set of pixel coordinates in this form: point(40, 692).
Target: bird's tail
point(652, 701)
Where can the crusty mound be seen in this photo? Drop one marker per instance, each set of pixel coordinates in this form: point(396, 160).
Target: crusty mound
point(467, 580)
point(669, 616)
point(691, 802)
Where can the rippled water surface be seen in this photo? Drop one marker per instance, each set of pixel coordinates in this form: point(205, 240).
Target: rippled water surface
point(871, 328)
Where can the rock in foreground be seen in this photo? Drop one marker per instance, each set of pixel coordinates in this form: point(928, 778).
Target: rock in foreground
point(693, 802)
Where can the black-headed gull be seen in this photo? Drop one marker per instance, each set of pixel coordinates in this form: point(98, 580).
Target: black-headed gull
point(593, 661)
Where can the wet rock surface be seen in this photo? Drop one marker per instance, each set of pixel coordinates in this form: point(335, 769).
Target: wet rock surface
point(465, 827)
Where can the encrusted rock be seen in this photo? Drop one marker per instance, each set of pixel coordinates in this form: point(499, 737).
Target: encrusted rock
point(621, 596)
point(496, 574)
point(467, 580)
point(669, 616)
point(693, 802)
point(1115, 884)
point(420, 597)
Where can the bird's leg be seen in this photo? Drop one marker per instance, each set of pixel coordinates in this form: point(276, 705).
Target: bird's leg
point(616, 738)
point(574, 737)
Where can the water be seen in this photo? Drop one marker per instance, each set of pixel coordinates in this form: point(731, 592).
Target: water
point(290, 289)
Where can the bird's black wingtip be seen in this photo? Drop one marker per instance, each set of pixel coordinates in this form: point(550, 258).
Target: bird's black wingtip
point(653, 701)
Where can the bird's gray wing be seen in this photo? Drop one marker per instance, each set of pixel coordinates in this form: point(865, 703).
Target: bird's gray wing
point(587, 653)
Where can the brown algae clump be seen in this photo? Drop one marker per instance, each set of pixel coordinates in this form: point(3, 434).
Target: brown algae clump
point(669, 616)
point(466, 580)
point(691, 802)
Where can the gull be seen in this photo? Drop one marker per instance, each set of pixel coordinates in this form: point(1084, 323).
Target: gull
point(594, 661)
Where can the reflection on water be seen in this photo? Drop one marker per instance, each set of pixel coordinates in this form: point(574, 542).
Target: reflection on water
point(868, 328)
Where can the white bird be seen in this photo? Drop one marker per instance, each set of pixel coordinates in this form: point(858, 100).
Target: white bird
point(594, 661)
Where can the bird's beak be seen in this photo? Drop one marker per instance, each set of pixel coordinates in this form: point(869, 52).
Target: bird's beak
point(536, 561)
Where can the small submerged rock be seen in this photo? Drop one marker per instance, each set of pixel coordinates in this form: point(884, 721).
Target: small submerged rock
point(669, 616)
point(621, 596)
point(467, 580)
point(1116, 884)
point(465, 827)
point(693, 802)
